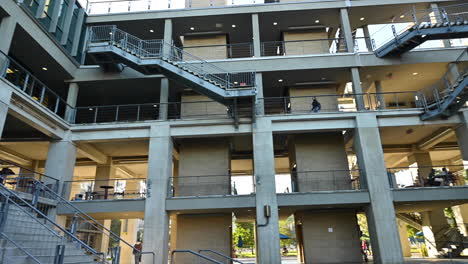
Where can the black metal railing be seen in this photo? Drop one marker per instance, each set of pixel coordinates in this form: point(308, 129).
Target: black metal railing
point(303, 47)
point(328, 180)
point(110, 189)
point(427, 176)
point(218, 52)
point(211, 185)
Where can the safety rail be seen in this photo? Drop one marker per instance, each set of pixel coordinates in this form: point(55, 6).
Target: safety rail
point(151, 49)
point(60, 236)
point(8, 259)
point(327, 180)
point(219, 52)
point(427, 176)
point(196, 254)
point(222, 255)
point(211, 185)
point(303, 47)
point(419, 18)
point(432, 97)
point(29, 85)
point(110, 189)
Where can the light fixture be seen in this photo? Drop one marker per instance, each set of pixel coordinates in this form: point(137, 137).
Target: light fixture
point(317, 21)
point(280, 80)
point(415, 73)
point(151, 30)
point(90, 109)
point(402, 16)
point(110, 33)
point(219, 25)
point(323, 78)
point(192, 28)
point(44, 69)
point(155, 105)
point(236, 83)
point(362, 18)
point(275, 23)
point(234, 26)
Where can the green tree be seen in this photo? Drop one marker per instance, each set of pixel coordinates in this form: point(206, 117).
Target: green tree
point(116, 225)
point(362, 222)
point(286, 228)
point(246, 231)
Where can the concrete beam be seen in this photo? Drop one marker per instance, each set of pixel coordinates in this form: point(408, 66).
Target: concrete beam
point(210, 203)
point(437, 137)
point(8, 154)
point(323, 199)
point(92, 153)
point(454, 193)
point(95, 73)
point(117, 207)
point(7, 30)
point(256, 36)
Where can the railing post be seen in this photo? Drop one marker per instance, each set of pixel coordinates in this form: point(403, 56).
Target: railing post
point(95, 115)
point(138, 113)
point(26, 81)
point(42, 95)
point(116, 258)
point(4, 213)
point(113, 30)
point(117, 114)
point(74, 224)
point(37, 191)
point(57, 103)
point(59, 254)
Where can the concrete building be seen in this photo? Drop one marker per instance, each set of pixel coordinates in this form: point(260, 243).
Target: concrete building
point(166, 120)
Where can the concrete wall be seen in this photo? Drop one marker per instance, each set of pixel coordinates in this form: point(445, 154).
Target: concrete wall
point(320, 155)
point(330, 237)
point(304, 104)
point(207, 53)
point(204, 157)
point(205, 3)
point(198, 106)
point(197, 232)
point(306, 47)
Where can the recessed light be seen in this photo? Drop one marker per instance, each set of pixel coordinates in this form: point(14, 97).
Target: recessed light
point(44, 69)
point(415, 73)
point(219, 25)
point(151, 30)
point(110, 33)
point(275, 23)
point(362, 18)
point(323, 78)
point(280, 80)
point(192, 28)
point(155, 105)
point(90, 109)
point(233, 26)
point(402, 16)
point(317, 21)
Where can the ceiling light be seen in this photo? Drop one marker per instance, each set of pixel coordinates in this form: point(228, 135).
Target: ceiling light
point(155, 105)
point(280, 80)
point(151, 30)
point(323, 78)
point(402, 16)
point(362, 18)
point(233, 26)
point(110, 33)
point(275, 23)
point(44, 69)
point(192, 28)
point(90, 109)
point(317, 21)
point(415, 73)
point(219, 25)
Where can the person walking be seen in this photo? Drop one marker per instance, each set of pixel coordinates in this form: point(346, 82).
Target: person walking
point(137, 251)
point(316, 106)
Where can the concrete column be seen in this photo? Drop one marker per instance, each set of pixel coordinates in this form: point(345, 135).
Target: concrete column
point(156, 228)
point(424, 163)
point(259, 99)
point(461, 211)
point(60, 162)
point(434, 223)
point(257, 52)
point(167, 36)
point(164, 99)
point(5, 97)
point(346, 29)
point(128, 232)
point(438, 16)
point(67, 22)
point(105, 173)
point(405, 244)
point(380, 96)
point(40, 8)
point(357, 88)
point(7, 30)
point(268, 246)
point(381, 212)
point(367, 37)
point(72, 98)
point(78, 31)
point(454, 71)
point(54, 16)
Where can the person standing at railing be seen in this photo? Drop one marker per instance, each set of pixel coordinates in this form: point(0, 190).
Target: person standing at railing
point(316, 106)
point(4, 174)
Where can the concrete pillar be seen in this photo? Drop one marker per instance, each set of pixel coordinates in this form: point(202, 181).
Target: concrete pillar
point(72, 98)
point(156, 227)
point(268, 246)
point(105, 174)
point(381, 212)
point(167, 36)
point(346, 29)
point(164, 99)
point(128, 232)
point(380, 96)
point(424, 163)
point(40, 8)
point(7, 30)
point(67, 22)
point(5, 97)
point(257, 52)
point(367, 37)
point(461, 211)
point(357, 88)
point(101, 244)
point(78, 31)
point(454, 71)
point(405, 244)
point(438, 18)
point(434, 223)
point(259, 99)
point(60, 162)
point(54, 16)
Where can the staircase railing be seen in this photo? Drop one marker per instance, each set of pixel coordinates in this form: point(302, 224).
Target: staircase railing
point(431, 98)
point(10, 198)
point(157, 48)
point(193, 253)
point(221, 255)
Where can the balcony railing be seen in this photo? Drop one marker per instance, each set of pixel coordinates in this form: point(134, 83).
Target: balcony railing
point(303, 47)
point(330, 180)
point(111, 189)
point(211, 185)
point(219, 52)
point(29, 85)
point(427, 176)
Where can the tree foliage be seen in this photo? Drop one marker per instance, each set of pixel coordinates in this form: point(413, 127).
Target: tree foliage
point(246, 231)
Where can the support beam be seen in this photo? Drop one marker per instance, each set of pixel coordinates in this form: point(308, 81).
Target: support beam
point(55, 14)
point(92, 153)
point(10, 155)
point(367, 37)
point(40, 8)
point(164, 99)
point(437, 137)
point(156, 235)
point(380, 97)
point(167, 35)
point(259, 99)
point(5, 97)
point(256, 36)
point(346, 29)
point(462, 135)
point(380, 212)
point(357, 88)
point(72, 98)
point(268, 245)
point(67, 22)
point(7, 30)
point(60, 162)
point(78, 31)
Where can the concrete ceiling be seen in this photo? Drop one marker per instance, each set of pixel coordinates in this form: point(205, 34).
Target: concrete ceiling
point(406, 135)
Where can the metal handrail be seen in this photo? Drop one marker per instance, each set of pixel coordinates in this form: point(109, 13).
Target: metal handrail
point(194, 253)
point(29, 170)
point(221, 255)
point(20, 247)
point(93, 251)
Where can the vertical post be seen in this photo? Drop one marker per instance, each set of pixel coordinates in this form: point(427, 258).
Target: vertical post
point(439, 20)
point(156, 235)
point(78, 30)
point(67, 22)
point(167, 45)
point(367, 37)
point(259, 100)
point(380, 212)
point(40, 8)
point(346, 29)
point(54, 16)
point(266, 201)
point(7, 30)
point(256, 36)
point(164, 99)
point(5, 98)
point(357, 88)
point(72, 98)
point(380, 96)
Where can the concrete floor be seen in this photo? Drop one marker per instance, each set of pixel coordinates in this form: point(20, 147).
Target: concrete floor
point(293, 260)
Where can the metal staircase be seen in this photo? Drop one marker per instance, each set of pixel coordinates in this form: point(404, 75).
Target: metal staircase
point(110, 47)
point(448, 95)
point(432, 24)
